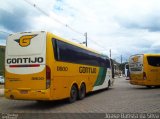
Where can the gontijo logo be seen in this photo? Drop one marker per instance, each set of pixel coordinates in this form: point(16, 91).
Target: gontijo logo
point(135, 59)
point(24, 41)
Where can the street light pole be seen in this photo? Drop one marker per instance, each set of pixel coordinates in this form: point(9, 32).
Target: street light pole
point(121, 59)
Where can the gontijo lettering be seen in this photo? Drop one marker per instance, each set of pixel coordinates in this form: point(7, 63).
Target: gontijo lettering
point(25, 60)
point(87, 70)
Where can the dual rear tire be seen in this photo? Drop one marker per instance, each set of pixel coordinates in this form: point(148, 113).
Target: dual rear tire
point(77, 94)
point(82, 91)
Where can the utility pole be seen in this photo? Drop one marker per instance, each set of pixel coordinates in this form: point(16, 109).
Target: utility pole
point(85, 34)
point(121, 59)
point(110, 53)
point(121, 68)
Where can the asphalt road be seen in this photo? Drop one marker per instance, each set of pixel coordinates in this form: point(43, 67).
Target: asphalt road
point(121, 98)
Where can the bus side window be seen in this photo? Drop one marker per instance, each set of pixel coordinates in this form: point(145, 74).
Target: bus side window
point(70, 53)
point(56, 50)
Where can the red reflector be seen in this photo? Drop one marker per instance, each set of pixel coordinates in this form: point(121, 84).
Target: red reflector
point(48, 73)
point(30, 65)
point(48, 77)
point(144, 75)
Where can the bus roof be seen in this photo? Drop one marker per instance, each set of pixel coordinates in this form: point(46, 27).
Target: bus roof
point(147, 54)
point(67, 41)
point(154, 54)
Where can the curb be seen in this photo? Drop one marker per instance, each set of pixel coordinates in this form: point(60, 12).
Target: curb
point(1, 92)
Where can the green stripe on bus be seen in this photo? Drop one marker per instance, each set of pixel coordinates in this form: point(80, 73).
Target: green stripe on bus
point(101, 76)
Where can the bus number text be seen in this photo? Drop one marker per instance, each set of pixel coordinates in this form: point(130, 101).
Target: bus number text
point(62, 68)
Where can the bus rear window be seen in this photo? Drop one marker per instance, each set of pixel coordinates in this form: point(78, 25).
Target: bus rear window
point(136, 69)
point(153, 61)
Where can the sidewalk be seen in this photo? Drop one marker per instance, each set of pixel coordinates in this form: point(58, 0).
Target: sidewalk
point(1, 92)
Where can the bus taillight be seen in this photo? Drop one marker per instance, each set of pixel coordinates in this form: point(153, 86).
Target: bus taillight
point(144, 75)
point(48, 76)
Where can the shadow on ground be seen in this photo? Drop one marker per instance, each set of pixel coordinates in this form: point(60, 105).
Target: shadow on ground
point(45, 105)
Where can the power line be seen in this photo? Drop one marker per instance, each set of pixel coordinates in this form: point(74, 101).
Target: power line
point(98, 44)
point(60, 22)
point(5, 32)
point(53, 18)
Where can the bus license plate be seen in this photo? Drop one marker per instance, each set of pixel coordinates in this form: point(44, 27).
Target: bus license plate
point(24, 91)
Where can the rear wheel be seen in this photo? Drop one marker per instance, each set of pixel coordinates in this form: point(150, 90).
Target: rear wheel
point(73, 94)
point(82, 91)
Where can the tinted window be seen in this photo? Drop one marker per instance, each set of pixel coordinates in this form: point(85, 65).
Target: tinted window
point(154, 61)
point(70, 53)
point(54, 44)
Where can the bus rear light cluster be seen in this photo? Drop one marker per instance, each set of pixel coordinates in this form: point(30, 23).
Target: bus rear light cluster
point(144, 75)
point(48, 76)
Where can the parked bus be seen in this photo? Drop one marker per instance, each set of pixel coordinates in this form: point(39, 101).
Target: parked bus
point(42, 66)
point(145, 69)
point(126, 71)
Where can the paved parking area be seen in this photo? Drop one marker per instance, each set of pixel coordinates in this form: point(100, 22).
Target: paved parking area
point(1, 92)
point(121, 98)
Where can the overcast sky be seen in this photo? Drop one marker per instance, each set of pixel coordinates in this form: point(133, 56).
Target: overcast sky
point(126, 27)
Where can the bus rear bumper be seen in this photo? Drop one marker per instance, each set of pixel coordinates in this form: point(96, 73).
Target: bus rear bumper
point(137, 83)
point(144, 83)
point(27, 94)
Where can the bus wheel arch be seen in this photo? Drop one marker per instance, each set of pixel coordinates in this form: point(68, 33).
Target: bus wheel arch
point(82, 91)
point(73, 93)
